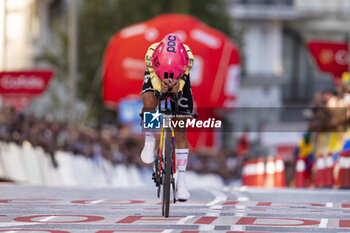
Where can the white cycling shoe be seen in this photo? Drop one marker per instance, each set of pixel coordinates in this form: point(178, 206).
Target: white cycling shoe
point(147, 154)
point(182, 193)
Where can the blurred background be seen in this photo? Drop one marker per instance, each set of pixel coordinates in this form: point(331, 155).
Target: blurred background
point(275, 71)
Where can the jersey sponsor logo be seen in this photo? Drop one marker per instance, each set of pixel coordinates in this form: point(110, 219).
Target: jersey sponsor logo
point(181, 104)
point(171, 44)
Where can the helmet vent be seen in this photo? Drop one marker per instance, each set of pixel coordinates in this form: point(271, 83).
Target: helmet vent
point(167, 75)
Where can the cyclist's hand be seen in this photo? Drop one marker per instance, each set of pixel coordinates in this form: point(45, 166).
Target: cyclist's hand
point(166, 83)
point(175, 86)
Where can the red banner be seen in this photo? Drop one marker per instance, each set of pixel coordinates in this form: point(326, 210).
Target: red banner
point(19, 87)
point(214, 77)
point(24, 82)
point(331, 57)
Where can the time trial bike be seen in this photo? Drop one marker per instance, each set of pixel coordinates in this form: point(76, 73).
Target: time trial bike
point(165, 162)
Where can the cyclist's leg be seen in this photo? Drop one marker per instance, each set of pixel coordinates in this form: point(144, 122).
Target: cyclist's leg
point(181, 151)
point(149, 104)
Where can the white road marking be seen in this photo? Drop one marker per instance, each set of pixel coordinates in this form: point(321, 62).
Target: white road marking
point(237, 228)
point(239, 214)
point(240, 207)
point(329, 204)
point(14, 224)
point(243, 198)
point(219, 197)
point(215, 207)
point(167, 231)
point(48, 218)
point(183, 220)
point(213, 213)
point(98, 201)
point(323, 223)
point(206, 227)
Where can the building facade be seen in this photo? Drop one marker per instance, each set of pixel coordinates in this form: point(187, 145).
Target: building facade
point(279, 71)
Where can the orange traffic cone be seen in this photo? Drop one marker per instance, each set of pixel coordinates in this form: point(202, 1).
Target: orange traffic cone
point(320, 171)
point(279, 172)
point(270, 173)
point(248, 173)
point(253, 173)
point(329, 180)
point(300, 173)
point(344, 172)
point(244, 173)
point(347, 171)
point(260, 172)
point(341, 168)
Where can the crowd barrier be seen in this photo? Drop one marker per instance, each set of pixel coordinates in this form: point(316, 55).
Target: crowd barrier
point(32, 165)
point(323, 161)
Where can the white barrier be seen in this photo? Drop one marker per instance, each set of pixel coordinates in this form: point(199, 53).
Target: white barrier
point(3, 172)
point(28, 164)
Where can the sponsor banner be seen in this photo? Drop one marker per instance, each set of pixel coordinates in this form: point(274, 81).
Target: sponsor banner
point(17, 88)
point(331, 57)
point(24, 82)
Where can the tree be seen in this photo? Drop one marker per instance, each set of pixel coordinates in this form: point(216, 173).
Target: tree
point(99, 20)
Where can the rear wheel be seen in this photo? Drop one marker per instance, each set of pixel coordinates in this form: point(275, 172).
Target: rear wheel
point(167, 174)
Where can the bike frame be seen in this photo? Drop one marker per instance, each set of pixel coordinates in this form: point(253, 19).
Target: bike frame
point(161, 147)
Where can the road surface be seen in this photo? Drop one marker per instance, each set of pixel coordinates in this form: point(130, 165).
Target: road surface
point(106, 210)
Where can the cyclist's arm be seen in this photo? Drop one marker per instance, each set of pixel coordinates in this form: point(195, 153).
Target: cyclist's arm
point(189, 67)
point(155, 80)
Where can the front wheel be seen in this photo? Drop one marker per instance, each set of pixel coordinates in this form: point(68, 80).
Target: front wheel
point(167, 163)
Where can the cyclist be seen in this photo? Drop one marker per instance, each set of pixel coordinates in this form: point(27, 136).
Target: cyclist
point(168, 70)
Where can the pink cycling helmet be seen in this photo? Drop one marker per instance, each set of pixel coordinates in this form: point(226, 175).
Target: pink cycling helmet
point(170, 59)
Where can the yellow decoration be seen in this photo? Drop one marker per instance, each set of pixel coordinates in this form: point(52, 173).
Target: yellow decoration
point(332, 143)
point(340, 142)
point(305, 149)
point(345, 77)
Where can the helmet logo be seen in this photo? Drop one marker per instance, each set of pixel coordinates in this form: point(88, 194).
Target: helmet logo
point(171, 44)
